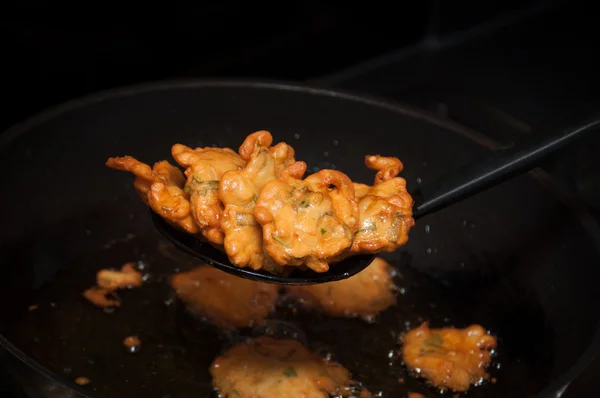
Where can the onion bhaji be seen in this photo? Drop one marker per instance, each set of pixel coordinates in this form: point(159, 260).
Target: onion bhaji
point(385, 209)
point(449, 358)
point(308, 222)
point(239, 192)
point(257, 207)
point(204, 168)
point(266, 367)
point(226, 300)
point(363, 295)
point(161, 187)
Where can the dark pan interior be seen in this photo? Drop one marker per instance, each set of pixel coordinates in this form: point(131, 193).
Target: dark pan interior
point(514, 259)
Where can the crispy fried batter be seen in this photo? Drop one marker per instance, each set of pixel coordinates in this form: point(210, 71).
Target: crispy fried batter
point(226, 300)
point(239, 191)
point(449, 358)
point(308, 222)
point(267, 367)
point(204, 169)
point(385, 209)
point(161, 188)
point(101, 297)
point(257, 208)
point(363, 295)
point(112, 280)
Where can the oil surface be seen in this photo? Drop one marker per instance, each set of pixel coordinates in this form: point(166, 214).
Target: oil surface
point(73, 338)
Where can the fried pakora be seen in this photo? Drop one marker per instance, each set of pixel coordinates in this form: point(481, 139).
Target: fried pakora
point(239, 192)
point(363, 295)
point(308, 222)
point(161, 187)
point(385, 209)
point(266, 367)
point(256, 206)
point(226, 300)
point(449, 358)
point(204, 168)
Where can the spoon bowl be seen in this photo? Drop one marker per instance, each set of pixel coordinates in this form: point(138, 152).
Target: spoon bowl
point(208, 254)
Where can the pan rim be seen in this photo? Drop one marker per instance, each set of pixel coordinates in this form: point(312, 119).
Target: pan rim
point(576, 206)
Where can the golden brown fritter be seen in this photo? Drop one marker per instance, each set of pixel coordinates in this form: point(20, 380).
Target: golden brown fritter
point(256, 207)
point(363, 295)
point(204, 168)
point(308, 222)
point(239, 192)
point(266, 367)
point(385, 209)
point(449, 358)
point(161, 188)
point(226, 300)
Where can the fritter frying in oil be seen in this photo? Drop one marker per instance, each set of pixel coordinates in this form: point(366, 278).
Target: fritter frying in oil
point(226, 300)
point(449, 358)
point(266, 367)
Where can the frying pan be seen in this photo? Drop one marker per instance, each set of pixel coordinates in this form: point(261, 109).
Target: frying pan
point(521, 259)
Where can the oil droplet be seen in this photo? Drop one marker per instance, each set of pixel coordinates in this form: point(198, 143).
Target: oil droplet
point(402, 290)
point(325, 153)
point(419, 180)
point(429, 250)
point(297, 136)
point(336, 142)
point(427, 229)
point(462, 265)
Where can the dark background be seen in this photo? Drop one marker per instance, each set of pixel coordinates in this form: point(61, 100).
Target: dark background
point(53, 51)
point(503, 68)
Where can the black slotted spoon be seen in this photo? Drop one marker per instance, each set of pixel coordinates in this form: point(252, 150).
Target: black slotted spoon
point(475, 177)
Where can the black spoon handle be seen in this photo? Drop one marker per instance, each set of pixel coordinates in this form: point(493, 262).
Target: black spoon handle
point(497, 167)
